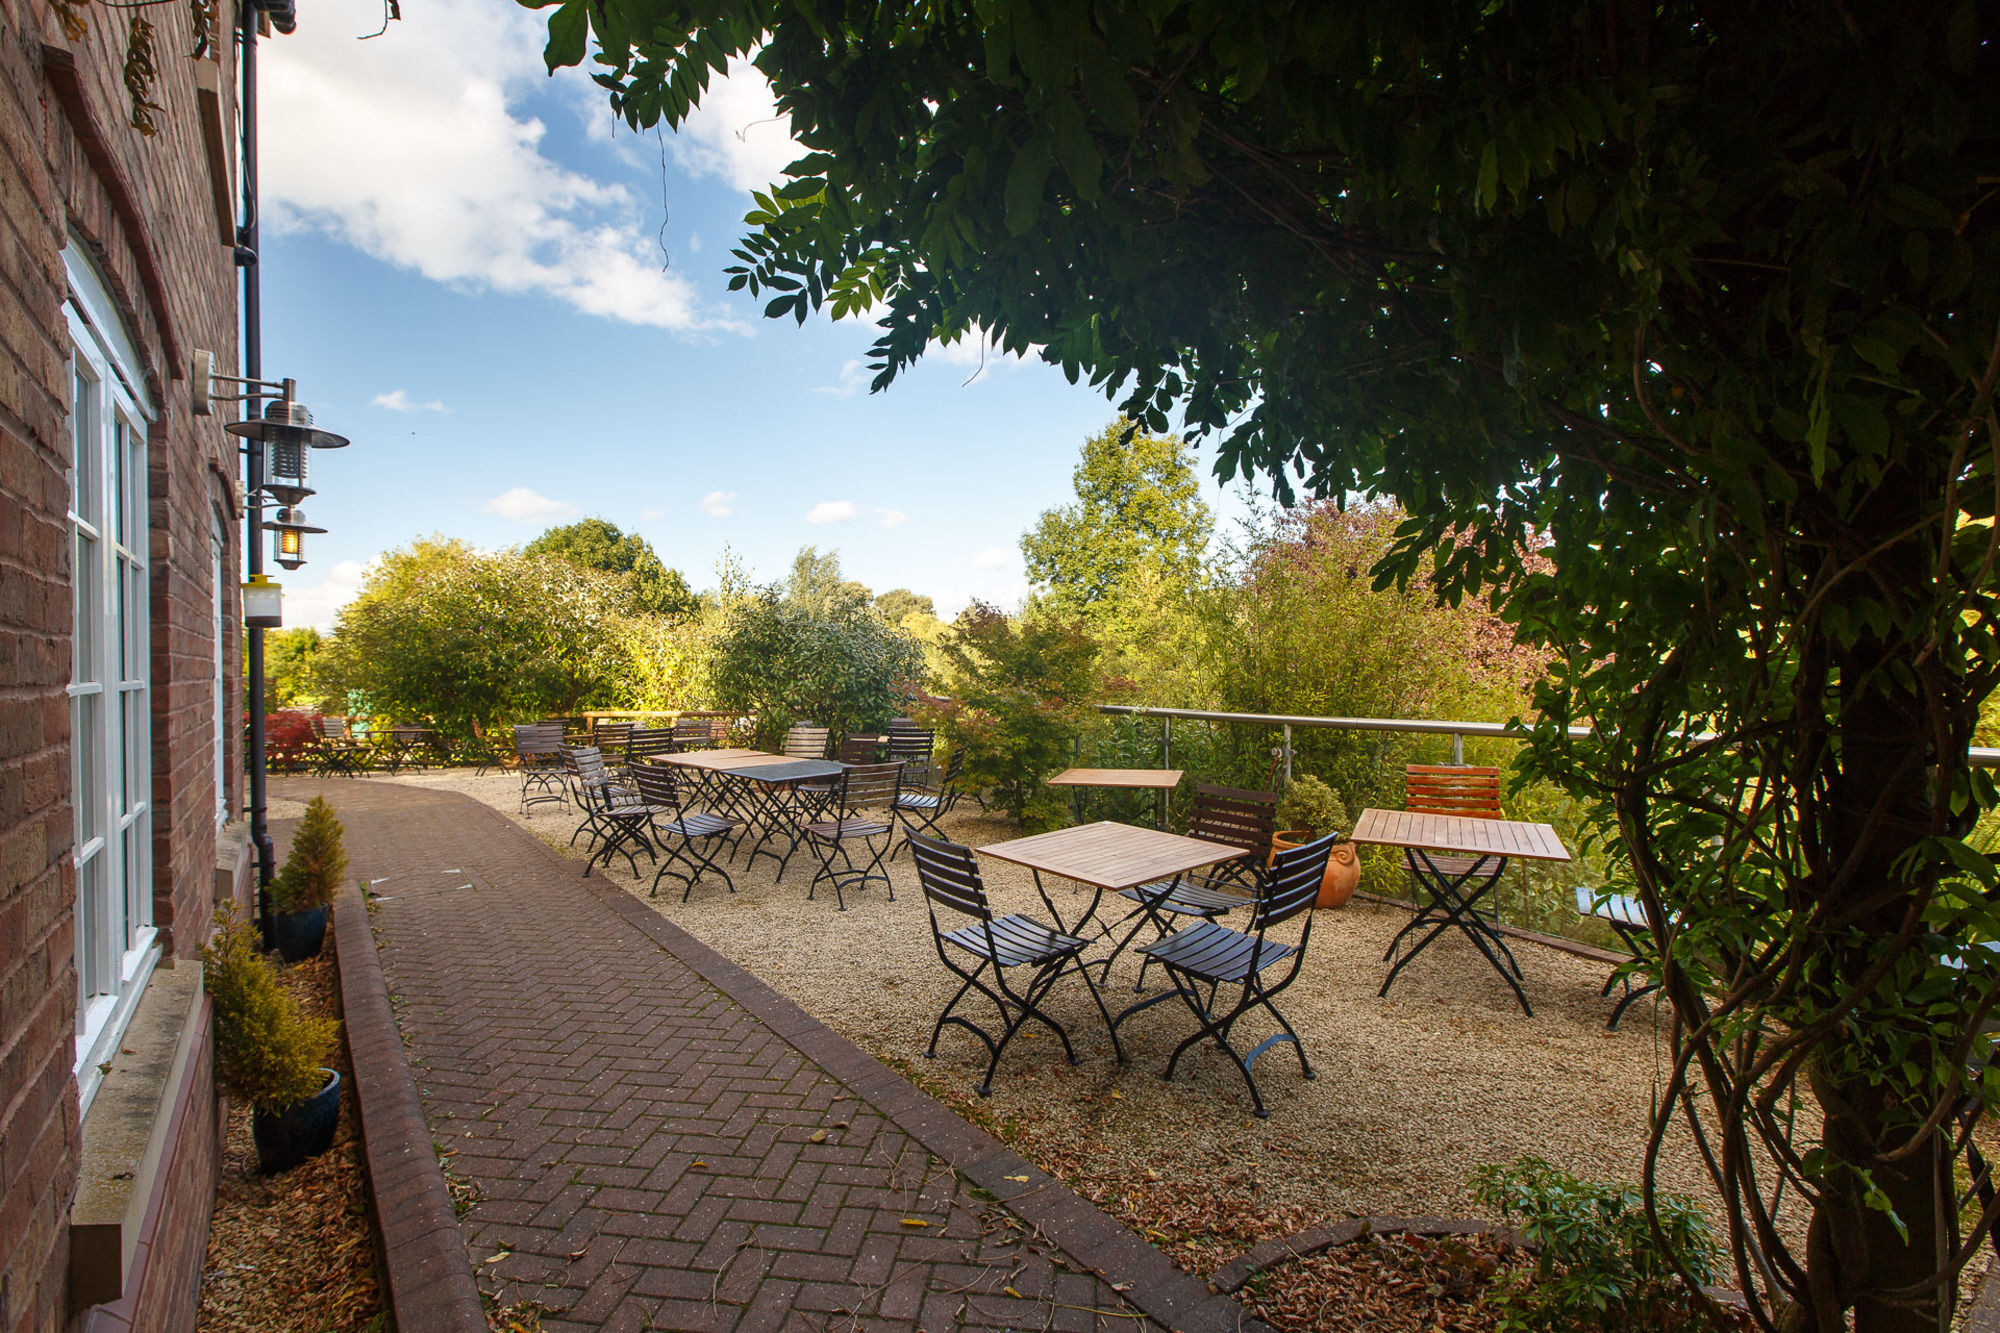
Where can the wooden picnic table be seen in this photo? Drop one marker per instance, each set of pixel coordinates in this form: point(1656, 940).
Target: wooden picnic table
point(1158, 780)
point(1454, 891)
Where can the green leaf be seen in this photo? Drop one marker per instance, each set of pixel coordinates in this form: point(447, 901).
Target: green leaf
point(1489, 175)
point(569, 35)
point(1025, 178)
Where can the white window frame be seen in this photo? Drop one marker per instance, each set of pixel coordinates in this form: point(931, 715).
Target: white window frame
point(220, 569)
point(110, 690)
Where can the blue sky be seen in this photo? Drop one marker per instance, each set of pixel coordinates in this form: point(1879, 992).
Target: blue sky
point(464, 269)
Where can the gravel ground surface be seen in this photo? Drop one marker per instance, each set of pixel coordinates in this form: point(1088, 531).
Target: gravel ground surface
point(1413, 1091)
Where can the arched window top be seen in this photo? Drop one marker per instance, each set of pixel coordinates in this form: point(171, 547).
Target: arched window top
point(104, 326)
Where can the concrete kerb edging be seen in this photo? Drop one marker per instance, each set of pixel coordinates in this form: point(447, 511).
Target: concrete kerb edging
point(429, 1271)
point(1085, 1233)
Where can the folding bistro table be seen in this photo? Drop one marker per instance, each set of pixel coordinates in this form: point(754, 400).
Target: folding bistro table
point(1108, 857)
point(1454, 897)
point(1157, 780)
point(755, 787)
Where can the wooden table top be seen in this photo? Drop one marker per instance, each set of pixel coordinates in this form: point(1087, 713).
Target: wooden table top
point(1149, 779)
point(1462, 834)
point(1111, 856)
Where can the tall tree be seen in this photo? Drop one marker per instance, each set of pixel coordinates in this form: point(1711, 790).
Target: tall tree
point(595, 543)
point(1706, 293)
point(817, 587)
point(1138, 512)
point(898, 603)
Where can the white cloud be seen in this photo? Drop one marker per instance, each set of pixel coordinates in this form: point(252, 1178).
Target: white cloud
point(652, 514)
point(993, 557)
point(527, 506)
point(978, 350)
point(411, 148)
point(398, 401)
point(318, 605)
point(831, 511)
point(854, 378)
point(890, 517)
point(721, 504)
point(736, 134)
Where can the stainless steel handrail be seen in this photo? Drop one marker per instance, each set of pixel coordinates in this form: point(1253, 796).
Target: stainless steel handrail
point(1981, 756)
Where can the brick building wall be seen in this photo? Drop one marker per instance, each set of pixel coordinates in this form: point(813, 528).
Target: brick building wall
point(146, 211)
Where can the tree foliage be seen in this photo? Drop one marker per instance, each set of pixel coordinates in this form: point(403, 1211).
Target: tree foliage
point(594, 543)
point(898, 604)
point(1018, 695)
point(1138, 515)
point(1706, 294)
point(817, 587)
point(785, 663)
point(452, 636)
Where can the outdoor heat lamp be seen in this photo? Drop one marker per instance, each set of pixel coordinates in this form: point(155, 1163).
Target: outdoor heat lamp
point(291, 528)
point(263, 603)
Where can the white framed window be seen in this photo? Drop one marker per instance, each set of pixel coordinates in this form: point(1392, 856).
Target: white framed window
point(110, 703)
point(220, 571)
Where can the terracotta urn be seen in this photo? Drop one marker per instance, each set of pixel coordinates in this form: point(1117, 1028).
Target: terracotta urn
point(1343, 867)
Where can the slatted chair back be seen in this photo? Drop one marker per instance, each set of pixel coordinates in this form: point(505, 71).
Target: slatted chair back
point(587, 762)
point(1292, 883)
point(1233, 816)
point(869, 787)
point(911, 744)
point(950, 878)
point(610, 737)
point(648, 743)
point(693, 733)
point(538, 739)
point(805, 741)
point(658, 785)
point(1452, 789)
point(860, 749)
point(331, 728)
point(954, 769)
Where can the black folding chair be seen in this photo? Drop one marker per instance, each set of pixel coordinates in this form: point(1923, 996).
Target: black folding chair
point(1627, 919)
point(1230, 817)
point(950, 879)
point(912, 747)
point(610, 738)
point(1206, 957)
point(863, 787)
point(921, 809)
point(647, 743)
point(543, 773)
point(618, 819)
point(693, 733)
point(660, 788)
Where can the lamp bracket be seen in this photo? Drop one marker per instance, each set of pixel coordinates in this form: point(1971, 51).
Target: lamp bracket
point(206, 377)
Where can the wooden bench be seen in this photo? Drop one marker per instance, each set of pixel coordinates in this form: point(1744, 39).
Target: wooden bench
point(1627, 919)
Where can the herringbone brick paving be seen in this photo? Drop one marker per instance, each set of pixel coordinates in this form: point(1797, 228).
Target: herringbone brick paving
point(640, 1151)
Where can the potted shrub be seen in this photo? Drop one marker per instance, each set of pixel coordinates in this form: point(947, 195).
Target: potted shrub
point(268, 1053)
point(303, 891)
point(1311, 809)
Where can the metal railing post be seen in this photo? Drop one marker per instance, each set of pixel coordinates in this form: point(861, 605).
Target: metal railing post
point(1166, 742)
point(1288, 754)
point(1458, 748)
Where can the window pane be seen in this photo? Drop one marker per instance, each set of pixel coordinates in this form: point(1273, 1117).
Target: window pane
point(117, 488)
point(138, 879)
point(92, 976)
point(87, 747)
point(87, 577)
point(85, 450)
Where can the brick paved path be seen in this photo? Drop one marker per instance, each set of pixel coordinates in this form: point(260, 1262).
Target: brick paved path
point(645, 1151)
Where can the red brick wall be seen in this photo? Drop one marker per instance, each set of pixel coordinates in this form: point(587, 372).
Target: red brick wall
point(144, 209)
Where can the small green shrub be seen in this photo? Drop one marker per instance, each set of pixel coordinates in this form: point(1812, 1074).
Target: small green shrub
point(1598, 1266)
point(317, 863)
point(1309, 803)
point(266, 1051)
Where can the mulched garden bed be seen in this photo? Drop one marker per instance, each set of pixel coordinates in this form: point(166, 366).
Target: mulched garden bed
point(296, 1253)
point(1388, 1284)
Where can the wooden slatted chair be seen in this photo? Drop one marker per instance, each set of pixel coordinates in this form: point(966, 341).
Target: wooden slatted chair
point(693, 733)
point(860, 750)
point(1627, 919)
point(610, 739)
point(912, 747)
point(336, 751)
point(1231, 816)
point(661, 788)
point(863, 787)
point(618, 818)
point(950, 879)
point(806, 740)
point(1454, 789)
point(919, 809)
point(1206, 959)
point(539, 748)
point(648, 743)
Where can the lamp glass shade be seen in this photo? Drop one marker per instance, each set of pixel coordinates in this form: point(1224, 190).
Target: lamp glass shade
point(263, 603)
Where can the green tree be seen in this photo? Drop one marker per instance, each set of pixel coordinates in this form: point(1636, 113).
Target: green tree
point(1018, 695)
point(898, 604)
point(1138, 514)
point(288, 666)
point(817, 587)
point(458, 637)
point(1707, 294)
point(594, 543)
point(781, 661)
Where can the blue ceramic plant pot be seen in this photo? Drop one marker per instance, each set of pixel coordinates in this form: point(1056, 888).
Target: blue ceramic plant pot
point(298, 935)
point(283, 1141)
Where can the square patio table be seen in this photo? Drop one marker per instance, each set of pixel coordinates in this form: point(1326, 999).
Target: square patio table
point(1157, 780)
point(753, 786)
point(1454, 899)
point(1107, 857)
